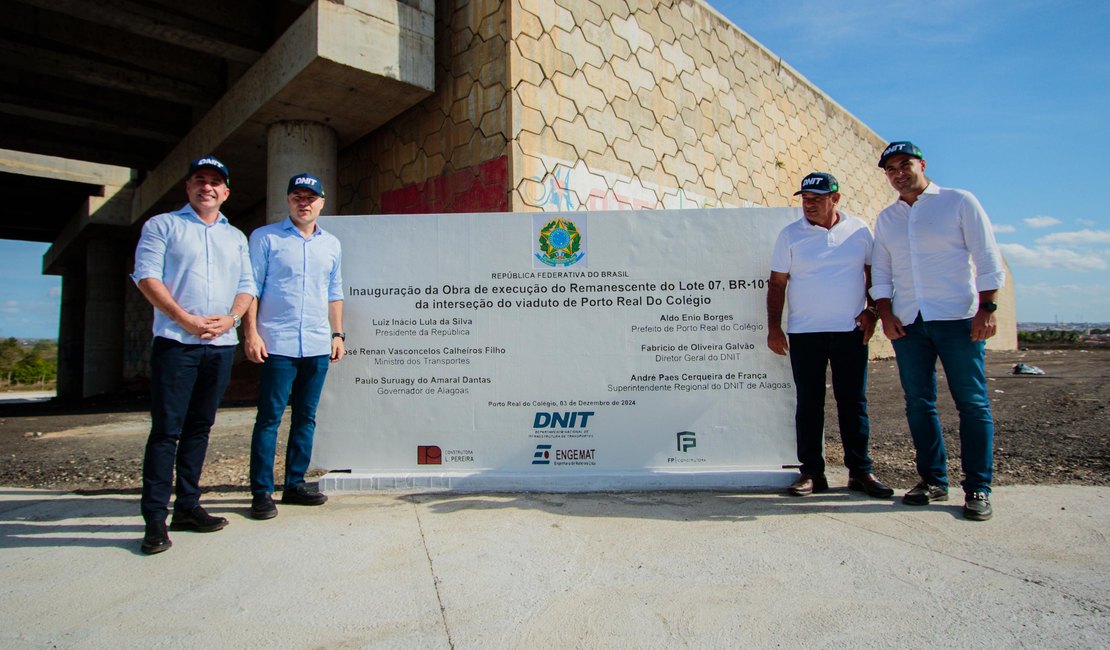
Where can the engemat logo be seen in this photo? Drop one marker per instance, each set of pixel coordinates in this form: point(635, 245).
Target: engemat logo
point(542, 456)
point(561, 420)
point(686, 440)
point(429, 455)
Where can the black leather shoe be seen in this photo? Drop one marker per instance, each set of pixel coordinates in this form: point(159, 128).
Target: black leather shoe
point(807, 484)
point(924, 493)
point(156, 539)
point(262, 507)
point(301, 495)
point(196, 519)
point(871, 485)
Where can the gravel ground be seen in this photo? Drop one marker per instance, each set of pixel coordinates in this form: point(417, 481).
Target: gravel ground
point(1051, 429)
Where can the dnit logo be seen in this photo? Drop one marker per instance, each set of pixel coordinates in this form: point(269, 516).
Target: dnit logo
point(429, 455)
point(686, 440)
point(556, 420)
point(542, 455)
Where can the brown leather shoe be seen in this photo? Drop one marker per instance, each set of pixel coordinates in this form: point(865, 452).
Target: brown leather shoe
point(807, 484)
point(871, 485)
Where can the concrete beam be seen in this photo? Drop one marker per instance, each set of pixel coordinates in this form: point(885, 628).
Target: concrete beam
point(152, 22)
point(76, 171)
point(350, 66)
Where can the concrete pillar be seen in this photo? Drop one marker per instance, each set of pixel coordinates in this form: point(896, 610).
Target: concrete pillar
point(71, 336)
point(104, 283)
point(294, 147)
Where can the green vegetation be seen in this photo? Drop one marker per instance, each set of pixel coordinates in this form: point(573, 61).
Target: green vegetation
point(1049, 336)
point(28, 364)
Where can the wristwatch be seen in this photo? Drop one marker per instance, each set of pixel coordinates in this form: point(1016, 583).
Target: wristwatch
point(235, 318)
point(988, 306)
point(339, 335)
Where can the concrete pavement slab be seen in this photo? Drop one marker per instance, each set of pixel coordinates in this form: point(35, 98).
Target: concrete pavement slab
point(654, 569)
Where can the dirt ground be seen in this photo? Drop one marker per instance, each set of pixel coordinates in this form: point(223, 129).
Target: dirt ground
point(1051, 429)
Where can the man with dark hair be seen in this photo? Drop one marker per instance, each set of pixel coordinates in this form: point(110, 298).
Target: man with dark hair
point(820, 265)
point(194, 268)
point(937, 270)
point(294, 330)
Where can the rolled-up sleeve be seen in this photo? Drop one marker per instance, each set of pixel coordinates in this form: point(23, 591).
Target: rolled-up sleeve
point(882, 279)
point(150, 253)
point(990, 274)
point(335, 283)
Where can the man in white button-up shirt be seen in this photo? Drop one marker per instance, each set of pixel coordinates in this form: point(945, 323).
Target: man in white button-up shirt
point(935, 272)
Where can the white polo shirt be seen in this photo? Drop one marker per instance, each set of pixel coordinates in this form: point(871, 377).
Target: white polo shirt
point(924, 256)
point(827, 288)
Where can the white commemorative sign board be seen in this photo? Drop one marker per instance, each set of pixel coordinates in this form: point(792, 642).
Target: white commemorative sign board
point(561, 351)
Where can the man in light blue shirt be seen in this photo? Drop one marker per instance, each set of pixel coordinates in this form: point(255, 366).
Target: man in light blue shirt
point(194, 268)
point(294, 330)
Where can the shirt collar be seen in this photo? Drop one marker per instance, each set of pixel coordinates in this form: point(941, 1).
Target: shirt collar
point(288, 224)
point(188, 211)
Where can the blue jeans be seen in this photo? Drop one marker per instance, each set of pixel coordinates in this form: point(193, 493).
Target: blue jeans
point(187, 383)
point(963, 361)
point(285, 380)
point(810, 354)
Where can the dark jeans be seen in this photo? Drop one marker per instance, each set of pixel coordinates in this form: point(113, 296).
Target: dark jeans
point(298, 380)
point(963, 360)
point(186, 385)
point(810, 354)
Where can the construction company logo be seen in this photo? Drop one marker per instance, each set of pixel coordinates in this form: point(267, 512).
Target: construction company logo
point(429, 455)
point(433, 455)
point(547, 454)
point(558, 242)
point(542, 456)
point(684, 442)
point(562, 424)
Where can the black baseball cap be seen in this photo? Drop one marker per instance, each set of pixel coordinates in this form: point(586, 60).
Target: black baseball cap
point(210, 162)
point(897, 147)
point(819, 183)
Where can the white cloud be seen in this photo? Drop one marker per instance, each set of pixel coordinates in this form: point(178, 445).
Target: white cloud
point(1086, 222)
point(1042, 222)
point(1048, 257)
point(1076, 237)
point(1000, 228)
point(54, 293)
point(10, 307)
point(1046, 302)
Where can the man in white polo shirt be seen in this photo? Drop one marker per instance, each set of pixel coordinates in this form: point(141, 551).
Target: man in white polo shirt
point(821, 267)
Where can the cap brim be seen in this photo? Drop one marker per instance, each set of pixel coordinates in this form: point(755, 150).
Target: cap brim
point(814, 192)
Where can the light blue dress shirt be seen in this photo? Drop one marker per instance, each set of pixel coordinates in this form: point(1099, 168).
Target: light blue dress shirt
point(296, 278)
point(203, 266)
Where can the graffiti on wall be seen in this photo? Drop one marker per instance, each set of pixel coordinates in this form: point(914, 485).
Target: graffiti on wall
point(575, 186)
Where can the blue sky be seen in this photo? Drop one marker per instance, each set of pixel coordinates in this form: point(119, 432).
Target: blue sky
point(1009, 100)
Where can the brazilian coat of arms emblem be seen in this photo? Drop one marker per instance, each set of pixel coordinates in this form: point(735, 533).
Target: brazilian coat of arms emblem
point(560, 243)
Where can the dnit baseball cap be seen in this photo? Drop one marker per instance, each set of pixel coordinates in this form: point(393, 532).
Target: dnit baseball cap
point(819, 183)
point(308, 182)
point(901, 146)
point(210, 162)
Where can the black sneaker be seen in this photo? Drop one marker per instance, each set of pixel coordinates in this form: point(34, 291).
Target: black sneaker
point(301, 495)
point(156, 539)
point(977, 506)
point(262, 507)
point(196, 519)
point(925, 493)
